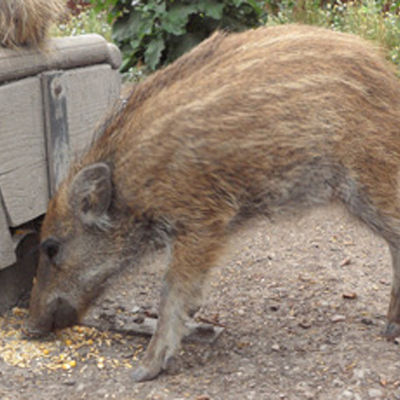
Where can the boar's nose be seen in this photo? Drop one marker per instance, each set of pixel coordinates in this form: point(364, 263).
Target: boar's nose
point(65, 314)
point(58, 314)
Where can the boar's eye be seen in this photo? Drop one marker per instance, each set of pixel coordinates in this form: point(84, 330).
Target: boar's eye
point(50, 247)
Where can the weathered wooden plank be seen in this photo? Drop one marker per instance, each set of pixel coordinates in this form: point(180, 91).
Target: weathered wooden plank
point(91, 92)
point(7, 254)
point(23, 172)
point(56, 127)
point(61, 53)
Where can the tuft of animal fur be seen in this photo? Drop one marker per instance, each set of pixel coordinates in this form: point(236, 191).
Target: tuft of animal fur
point(26, 22)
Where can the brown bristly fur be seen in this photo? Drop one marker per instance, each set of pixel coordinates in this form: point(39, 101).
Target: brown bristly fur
point(248, 124)
point(26, 22)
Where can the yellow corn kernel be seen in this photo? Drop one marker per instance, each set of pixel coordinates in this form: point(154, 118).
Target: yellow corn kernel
point(68, 365)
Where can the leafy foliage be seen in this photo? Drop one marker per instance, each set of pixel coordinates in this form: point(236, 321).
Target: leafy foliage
point(156, 32)
point(84, 20)
point(376, 20)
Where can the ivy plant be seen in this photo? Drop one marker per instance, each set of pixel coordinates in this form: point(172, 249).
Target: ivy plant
point(156, 32)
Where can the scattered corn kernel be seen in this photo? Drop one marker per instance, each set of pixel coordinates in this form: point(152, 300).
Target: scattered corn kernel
point(18, 312)
point(68, 365)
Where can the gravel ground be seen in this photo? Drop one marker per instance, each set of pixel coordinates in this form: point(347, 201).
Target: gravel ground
point(302, 302)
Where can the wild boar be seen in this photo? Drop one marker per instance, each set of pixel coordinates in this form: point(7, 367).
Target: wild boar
point(26, 22)
point(245, 125)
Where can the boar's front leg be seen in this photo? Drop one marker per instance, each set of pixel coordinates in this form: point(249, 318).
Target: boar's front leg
point(181, 295)
point(392, 329)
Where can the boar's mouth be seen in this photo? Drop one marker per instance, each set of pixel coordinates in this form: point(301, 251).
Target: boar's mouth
point(60, 314)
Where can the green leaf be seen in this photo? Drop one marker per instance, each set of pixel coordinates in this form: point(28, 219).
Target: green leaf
point(134, 27)
point(238, 3)
point(211, 8)
point(126, 27)
point(152, 55)
point(256, 6)
point(100, 5)
point(125, 63)
point(177, 17)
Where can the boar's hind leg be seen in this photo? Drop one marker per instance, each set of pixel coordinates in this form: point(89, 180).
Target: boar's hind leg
point(180, 296)
point(392, 329)
point(377, 209)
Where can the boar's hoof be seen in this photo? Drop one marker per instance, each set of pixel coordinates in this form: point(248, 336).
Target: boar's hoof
point(392, 330)
point(145, 373)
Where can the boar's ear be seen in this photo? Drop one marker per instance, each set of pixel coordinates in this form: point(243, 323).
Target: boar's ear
point(90, 193)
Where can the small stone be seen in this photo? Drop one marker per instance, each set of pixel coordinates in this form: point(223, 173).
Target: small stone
point(323, 347)
point(345, 262)
point(366, 321)
point(349, 295)
point(347, 394)
point(275, 347)
point(305, 324)
point(69, 382)
point(338, 318)
point(338, 383)
point(81, 386)
point(135, 309)
point(359, 373)
point(375, 393)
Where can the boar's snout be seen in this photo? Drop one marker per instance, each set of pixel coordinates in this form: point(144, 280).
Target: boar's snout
point(59, 314)
point(65, 315)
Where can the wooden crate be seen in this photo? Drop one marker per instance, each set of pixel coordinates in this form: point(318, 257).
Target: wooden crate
point(50, 104)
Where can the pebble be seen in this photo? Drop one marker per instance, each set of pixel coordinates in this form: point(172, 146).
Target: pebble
point(349, 295)
point(375, 393)
point(69, 382)
point(81, 386)
point(338, 383)
point(275, 347)
point(135, 309)
point(359, 373)
point(347, 394)
point(323, 347)
point(366, 321)
point(338, 318)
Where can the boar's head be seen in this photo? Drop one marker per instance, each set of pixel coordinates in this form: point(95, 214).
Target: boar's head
point(79, 250)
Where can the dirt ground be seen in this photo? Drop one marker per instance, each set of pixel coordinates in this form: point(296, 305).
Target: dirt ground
point(302, 301)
